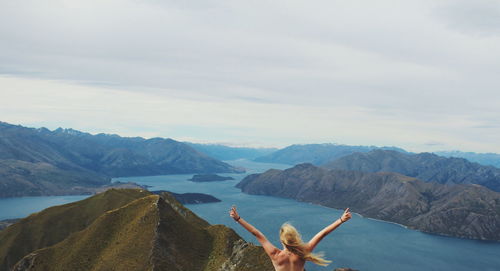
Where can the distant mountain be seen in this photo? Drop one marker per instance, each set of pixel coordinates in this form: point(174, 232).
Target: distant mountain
point(316, 154)
point(468, 211)
point(488, 159)
point(223, 152)
point(125, 230)
point(44, 162)
point(424, 166)
point(111, 155)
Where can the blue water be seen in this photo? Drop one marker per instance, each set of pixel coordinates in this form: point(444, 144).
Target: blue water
point(361, 243)
point(21, 207)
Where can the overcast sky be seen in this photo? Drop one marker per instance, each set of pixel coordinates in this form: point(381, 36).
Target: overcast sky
point(421, 75)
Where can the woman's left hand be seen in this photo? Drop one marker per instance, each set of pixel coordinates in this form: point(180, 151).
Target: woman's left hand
point(346, 215)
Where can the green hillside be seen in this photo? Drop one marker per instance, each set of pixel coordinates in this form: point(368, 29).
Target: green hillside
point(125, 230)
point(54, 224)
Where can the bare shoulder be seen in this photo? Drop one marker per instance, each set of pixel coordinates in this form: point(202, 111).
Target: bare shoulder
point(285, 257)
point(276, 253)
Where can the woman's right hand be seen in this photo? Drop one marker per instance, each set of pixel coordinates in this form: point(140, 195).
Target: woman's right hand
point(234, 214)
point(346, 215)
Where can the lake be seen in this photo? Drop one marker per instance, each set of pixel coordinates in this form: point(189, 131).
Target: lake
point(361, 243)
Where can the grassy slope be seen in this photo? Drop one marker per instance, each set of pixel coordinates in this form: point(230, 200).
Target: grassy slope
point(196, 245)
point(118, 240)
point(54, 224)
point(153, 232)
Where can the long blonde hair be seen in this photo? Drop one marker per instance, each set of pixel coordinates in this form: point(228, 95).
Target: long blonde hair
point(292, 240)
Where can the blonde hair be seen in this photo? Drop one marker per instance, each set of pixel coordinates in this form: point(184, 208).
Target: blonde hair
point(292, 240)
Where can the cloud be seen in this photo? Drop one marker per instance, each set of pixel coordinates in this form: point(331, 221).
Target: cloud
point(434, 143)
point(478, 18)
point(410, 71)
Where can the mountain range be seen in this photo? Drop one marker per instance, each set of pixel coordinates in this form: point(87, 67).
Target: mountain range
point(37, 162)
point(424, 166)
point(488, 159)
point(319, 154)
point(468, 211)
point(316, 154)
point(125, 230)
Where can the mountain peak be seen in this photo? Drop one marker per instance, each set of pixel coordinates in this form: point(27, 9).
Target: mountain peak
point(146, 232)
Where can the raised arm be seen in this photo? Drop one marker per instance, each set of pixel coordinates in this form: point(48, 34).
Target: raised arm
point(324, 232)
point(270, 249)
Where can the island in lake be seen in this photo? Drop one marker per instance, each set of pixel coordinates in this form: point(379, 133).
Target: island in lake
point(190, 198)
point(209, 178)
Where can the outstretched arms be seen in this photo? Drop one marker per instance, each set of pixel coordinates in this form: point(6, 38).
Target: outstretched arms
point(268, 247)
point(324, 232)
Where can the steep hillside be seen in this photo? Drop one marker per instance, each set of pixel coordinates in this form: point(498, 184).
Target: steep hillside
point(469, 211)
point(141, 231)
point(424, 166)
point(44, 162)
point(54, 224)
point(20, 178)
point(316, 154)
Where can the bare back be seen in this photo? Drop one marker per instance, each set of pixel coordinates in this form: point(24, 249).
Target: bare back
point(284, 260)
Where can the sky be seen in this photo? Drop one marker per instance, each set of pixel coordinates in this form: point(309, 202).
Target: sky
point(421, 75)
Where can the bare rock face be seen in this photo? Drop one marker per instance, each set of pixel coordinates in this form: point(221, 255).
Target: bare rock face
point(26, 263)
point(144, 232)
point(243, 257)
point(466, 211)
point(7, 222)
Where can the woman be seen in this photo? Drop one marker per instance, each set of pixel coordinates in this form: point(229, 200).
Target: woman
point(295, 253)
